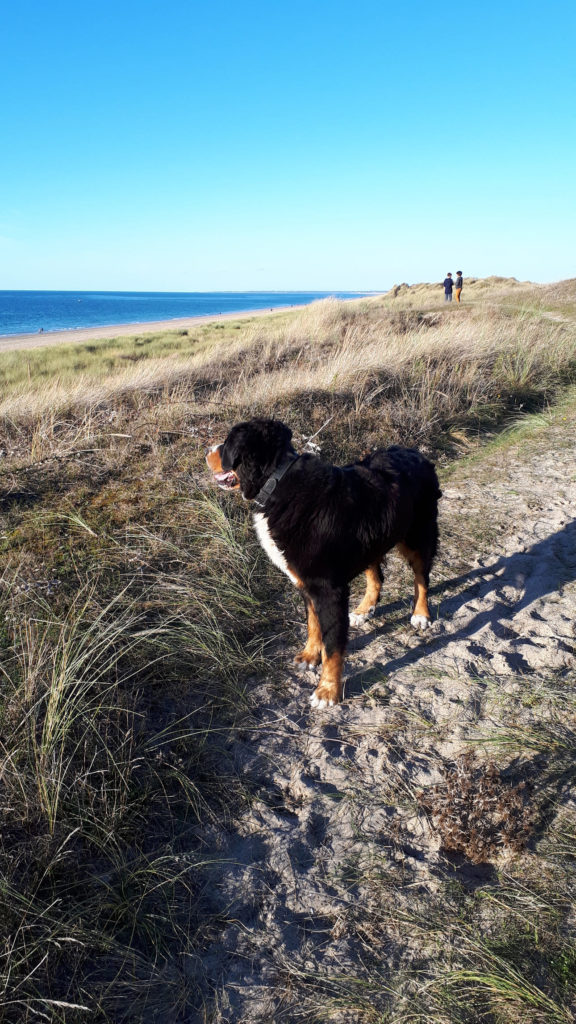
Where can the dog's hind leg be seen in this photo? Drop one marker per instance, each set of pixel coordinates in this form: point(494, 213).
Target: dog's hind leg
point(367, 606)
point(420, 563)
point(312, 652)
point(331, 604)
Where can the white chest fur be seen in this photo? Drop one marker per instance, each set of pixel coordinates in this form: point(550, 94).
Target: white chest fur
point(270, 547)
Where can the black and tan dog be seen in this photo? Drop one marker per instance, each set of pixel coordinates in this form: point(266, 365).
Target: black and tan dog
point(323, 525)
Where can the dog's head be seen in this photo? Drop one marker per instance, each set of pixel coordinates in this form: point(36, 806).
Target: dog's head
point(248, 456)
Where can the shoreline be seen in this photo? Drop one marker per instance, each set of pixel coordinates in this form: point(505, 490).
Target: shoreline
point(13, 342)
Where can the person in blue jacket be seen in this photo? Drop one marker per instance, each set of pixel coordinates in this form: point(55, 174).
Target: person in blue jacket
point(448, 285)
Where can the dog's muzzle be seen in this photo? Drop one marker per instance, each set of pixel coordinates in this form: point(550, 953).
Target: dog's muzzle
point(226, 479)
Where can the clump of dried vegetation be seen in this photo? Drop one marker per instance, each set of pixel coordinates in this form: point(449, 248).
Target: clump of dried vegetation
point(479, 813)
point(136, 608)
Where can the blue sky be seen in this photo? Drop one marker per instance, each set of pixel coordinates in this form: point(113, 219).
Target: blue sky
point(192, 146)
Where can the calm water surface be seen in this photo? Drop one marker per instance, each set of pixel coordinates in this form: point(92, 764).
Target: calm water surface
point(23, 312)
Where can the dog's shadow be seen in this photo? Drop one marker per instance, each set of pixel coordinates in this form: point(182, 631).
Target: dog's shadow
point(539, 570)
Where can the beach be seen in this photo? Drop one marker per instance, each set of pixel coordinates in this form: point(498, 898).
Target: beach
point(77, 335)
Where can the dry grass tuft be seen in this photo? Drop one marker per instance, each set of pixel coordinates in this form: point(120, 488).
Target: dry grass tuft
point(478, 813)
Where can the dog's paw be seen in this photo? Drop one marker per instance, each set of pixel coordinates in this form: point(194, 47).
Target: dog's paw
point(307, 660)
point(420, 622)
point(321, 702)
point(325, 696)
point(304, 668)
point(359, 620)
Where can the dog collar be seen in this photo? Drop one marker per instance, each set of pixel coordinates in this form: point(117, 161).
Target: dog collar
point(265, 493)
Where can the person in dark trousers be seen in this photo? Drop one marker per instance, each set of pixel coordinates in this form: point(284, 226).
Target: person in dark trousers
point(458, 285)
point(448, 285)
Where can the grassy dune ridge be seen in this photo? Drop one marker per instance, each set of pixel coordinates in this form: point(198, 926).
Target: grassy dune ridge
point(378, 365)
point(137, 610)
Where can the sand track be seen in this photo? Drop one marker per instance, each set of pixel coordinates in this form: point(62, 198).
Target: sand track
point(335, 788)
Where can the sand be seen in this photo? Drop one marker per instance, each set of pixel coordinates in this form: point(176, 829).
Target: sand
point(292, 877)
point(11, 342)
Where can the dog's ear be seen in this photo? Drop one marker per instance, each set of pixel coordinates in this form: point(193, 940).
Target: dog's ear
point(269, 444)
point(250, 476)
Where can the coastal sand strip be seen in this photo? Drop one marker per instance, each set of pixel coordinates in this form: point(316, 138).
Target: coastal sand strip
point(79, 334)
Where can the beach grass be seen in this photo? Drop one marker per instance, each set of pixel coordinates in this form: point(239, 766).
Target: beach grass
point(96, 359)
point(382, 373)
point(138, 610)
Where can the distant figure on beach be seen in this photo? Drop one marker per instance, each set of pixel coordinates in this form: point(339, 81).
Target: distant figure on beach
point(41, 330)
point(448, 285)
point(458, 285)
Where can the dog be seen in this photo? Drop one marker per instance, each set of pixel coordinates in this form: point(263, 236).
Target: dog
point(323, 525)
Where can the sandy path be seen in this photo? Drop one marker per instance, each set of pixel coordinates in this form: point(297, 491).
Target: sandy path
point(328, 782)
point(77, 335)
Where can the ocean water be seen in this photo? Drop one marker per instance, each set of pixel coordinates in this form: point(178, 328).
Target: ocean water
point(27, 312)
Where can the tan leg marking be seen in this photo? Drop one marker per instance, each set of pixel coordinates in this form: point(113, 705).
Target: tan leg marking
point(329, 689)
point(421, 612)
point(311, 652)
point(368, 603)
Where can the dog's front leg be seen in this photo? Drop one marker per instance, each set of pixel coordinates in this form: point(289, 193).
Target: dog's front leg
point(331, 606)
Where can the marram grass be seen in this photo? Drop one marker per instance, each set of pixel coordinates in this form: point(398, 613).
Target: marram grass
point(137, 611)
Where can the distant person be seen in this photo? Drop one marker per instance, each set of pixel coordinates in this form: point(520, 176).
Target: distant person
point(448, 285)
point(458, 285)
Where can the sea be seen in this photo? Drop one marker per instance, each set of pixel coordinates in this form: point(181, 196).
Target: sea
point(27, 312)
